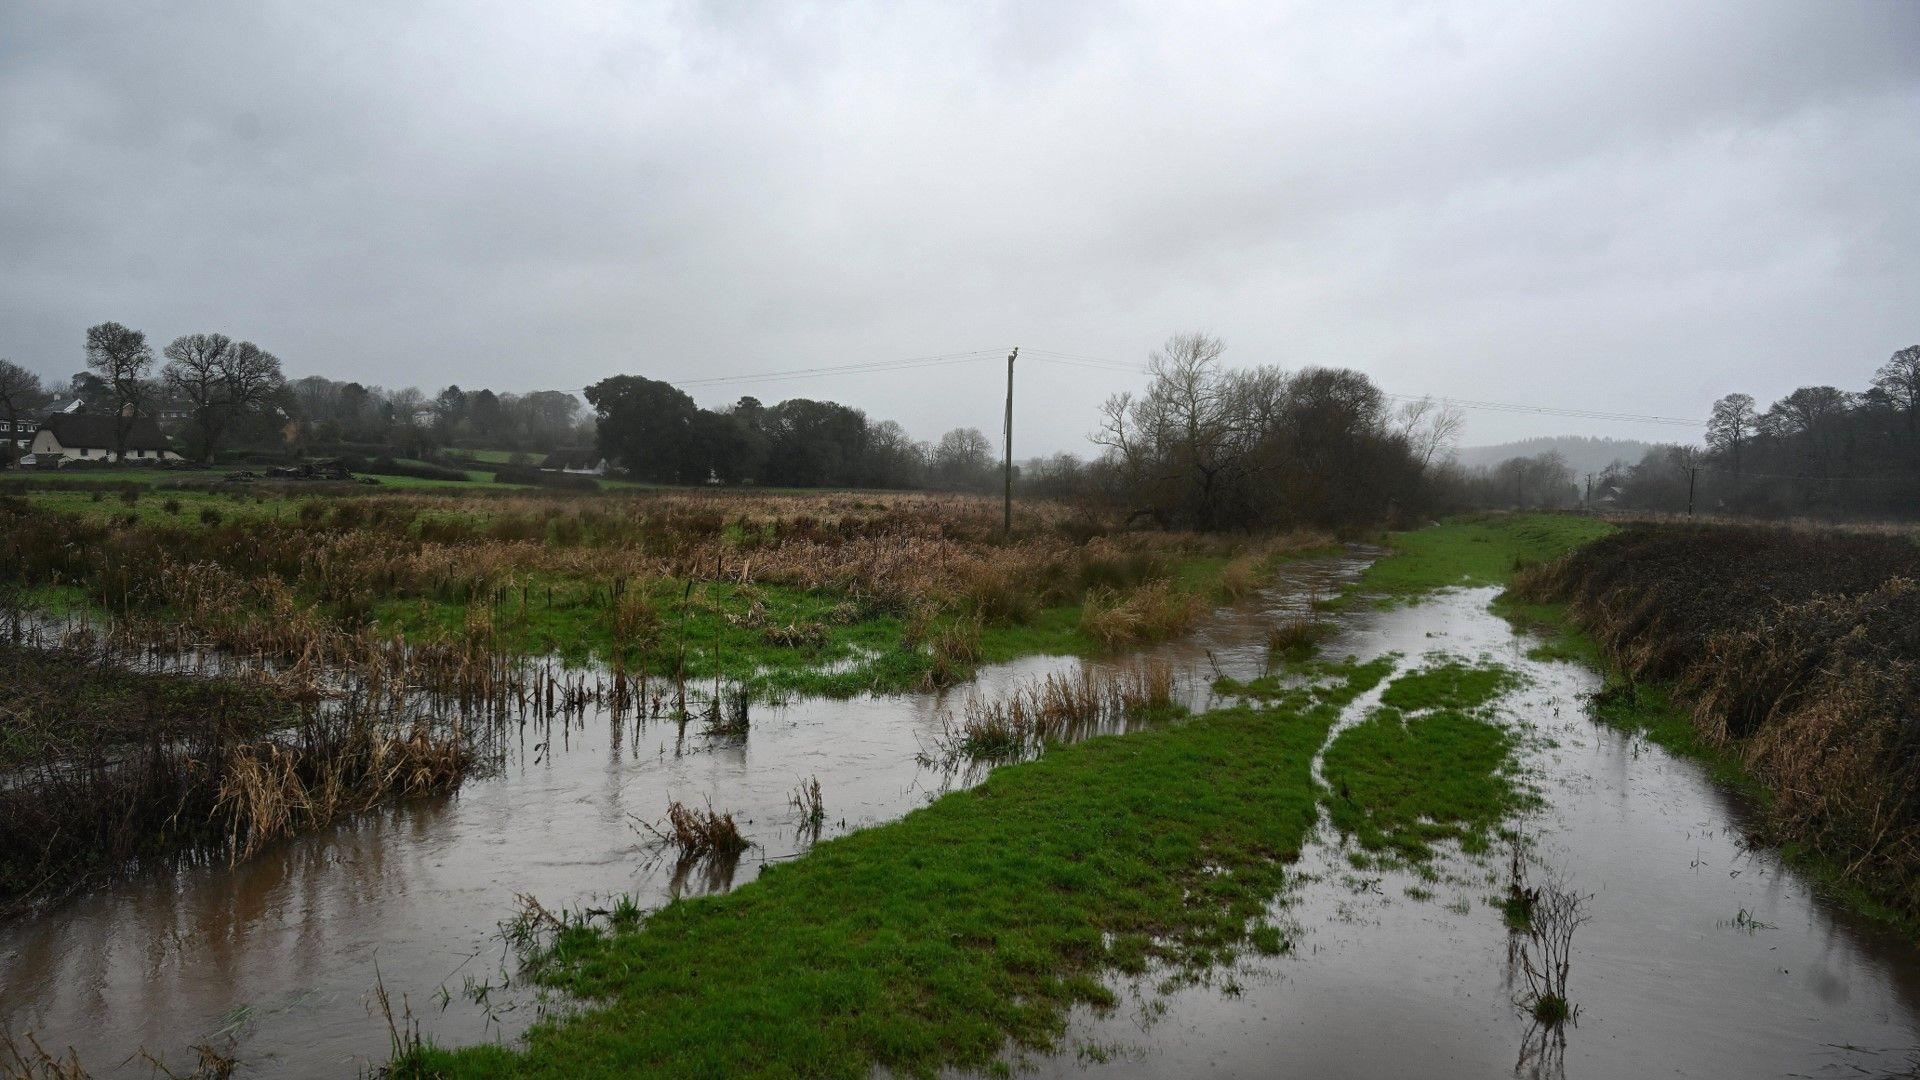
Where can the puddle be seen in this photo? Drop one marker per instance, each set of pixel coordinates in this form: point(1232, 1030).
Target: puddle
point(1669, 978)
point(279, 953)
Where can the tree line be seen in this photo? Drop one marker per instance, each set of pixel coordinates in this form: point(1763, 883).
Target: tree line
point(1208, 447)
point(656, 431)
point(1819, 451)
point(218, 393)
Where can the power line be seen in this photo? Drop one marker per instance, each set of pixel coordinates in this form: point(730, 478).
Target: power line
point(909, 363)
point(1103, 363)
point(1551, 410)
point(1083, 361)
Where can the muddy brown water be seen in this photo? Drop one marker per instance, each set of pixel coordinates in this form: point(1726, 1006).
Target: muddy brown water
point(277, 956)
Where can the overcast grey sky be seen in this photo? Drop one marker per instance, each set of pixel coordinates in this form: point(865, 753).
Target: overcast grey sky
point(1604, 205)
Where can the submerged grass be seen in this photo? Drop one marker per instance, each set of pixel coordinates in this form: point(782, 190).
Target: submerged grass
point(1402, 782)
point(935, 940)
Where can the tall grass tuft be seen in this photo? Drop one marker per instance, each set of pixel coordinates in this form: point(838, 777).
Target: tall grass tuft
point(1087, 701)
point(697, 833)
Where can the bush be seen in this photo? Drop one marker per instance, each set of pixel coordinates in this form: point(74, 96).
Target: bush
point(510, 474)
point(386, 466)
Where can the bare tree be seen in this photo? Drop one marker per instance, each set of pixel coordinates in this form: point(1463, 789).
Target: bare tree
point(250, 380)
point(222, 379)
point(1899, 379)
point(1189, 413)
point(963, 459)
point(1733, 422)
point(193, 371)
point(121, 358)
point(1809, 412)
point(20, 391)
point(1430, 427)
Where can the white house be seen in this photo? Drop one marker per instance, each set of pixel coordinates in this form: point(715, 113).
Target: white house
point(86, 436)
point(20, 431)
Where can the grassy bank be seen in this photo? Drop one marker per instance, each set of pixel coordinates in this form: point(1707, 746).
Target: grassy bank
point(1469, 553)
point(933, 941)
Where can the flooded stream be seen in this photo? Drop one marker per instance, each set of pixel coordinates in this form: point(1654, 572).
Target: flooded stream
point(279, 954)
point(1702, 957)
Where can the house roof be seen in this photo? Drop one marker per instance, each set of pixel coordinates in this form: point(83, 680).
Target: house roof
point(94, 431)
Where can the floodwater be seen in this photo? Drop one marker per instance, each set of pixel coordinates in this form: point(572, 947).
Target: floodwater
point(278, 955)
point(1670, 978)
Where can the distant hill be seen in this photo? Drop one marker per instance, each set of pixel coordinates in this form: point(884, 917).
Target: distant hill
point(1583, 453)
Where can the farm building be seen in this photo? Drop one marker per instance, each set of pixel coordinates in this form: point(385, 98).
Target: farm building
point(84, 436)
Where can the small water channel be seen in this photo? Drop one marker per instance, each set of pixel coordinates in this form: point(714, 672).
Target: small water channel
point(279, 953)
point(1670, 977)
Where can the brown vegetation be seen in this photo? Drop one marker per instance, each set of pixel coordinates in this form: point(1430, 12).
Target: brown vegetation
point(105, 767)
point(697, 833)
point(1087, 701)
point(1796, 650)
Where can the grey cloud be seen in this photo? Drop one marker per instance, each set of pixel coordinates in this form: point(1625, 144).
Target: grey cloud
point(1632, 206)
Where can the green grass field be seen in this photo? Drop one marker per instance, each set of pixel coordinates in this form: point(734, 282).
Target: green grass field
point(1470, 552)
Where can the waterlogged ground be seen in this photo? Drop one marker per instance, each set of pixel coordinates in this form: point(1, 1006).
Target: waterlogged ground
point(1700, 959)
point(278, 955)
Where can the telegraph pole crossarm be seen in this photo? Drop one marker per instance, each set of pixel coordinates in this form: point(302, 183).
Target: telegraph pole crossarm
point(1006, 523)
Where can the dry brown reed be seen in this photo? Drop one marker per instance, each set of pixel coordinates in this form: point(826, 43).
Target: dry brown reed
point(1091, 699)
point(1150, 612)
point(28, 1060)
point(697, 833)
point(270, 790)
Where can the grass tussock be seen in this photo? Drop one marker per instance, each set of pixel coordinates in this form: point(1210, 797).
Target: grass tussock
point(1794, 653)
point(1150, 612)
point(1296, 640)
point(1092, 699)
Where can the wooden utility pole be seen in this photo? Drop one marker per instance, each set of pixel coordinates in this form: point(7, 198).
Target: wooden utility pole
point(1692, 471)
point(1007, 462)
